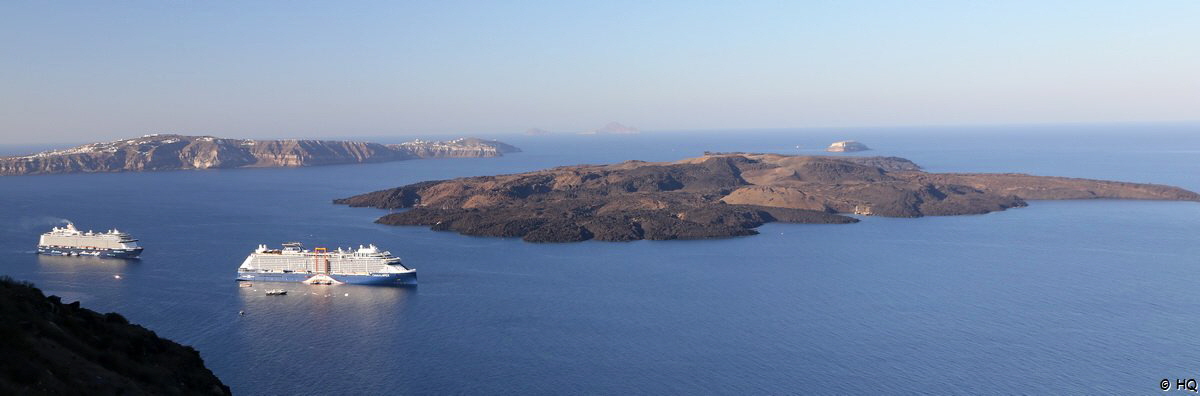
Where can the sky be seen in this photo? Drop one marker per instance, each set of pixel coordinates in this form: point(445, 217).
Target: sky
point(93, 70)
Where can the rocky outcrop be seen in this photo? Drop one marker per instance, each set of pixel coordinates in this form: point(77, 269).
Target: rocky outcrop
point(718, 195)
point(174, 152)
point(846, 146)
point(56, 348)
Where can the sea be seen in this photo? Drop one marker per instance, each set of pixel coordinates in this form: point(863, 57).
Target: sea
point(1060, 297)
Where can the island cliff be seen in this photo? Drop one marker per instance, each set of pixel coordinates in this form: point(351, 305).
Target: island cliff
point(175, 152)
point(718, 195)
point(457, 148)
point(55, 348)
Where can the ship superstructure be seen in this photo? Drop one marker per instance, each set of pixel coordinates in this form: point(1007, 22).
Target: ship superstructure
point(69, 241)
point(293, 263)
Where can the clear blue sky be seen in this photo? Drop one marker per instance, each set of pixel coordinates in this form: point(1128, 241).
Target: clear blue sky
point(90, 70)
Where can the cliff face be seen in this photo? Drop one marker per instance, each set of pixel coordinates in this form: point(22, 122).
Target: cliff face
point(719, 195)
point(292, 153)
point(173, 152)
point(55, 348)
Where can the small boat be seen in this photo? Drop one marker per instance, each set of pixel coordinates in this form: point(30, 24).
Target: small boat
point(245, 284)
point(276, 292)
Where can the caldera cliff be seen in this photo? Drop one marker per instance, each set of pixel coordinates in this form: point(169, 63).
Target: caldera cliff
point(176, 152)
point(719, 195)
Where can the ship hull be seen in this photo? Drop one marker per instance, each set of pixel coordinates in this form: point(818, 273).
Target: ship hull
point(381, 279)
point(73, 251)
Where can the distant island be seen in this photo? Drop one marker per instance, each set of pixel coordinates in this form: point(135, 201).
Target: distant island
point(719, 195)
point(53, 348)
point(846, 146)
point(176, 152)
point(613, 128)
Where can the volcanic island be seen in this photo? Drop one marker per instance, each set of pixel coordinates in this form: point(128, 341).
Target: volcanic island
point(720, 195)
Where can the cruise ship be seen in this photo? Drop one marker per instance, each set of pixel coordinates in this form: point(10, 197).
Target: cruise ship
point(68, 241)
point(366, 265)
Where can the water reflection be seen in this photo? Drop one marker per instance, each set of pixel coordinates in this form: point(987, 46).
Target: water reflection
point(322, 301)
point(85, 269)
point(314, 329)
point(76, 278)
point(84, 263)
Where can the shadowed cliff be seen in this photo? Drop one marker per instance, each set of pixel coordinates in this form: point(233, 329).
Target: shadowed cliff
point(55, 348)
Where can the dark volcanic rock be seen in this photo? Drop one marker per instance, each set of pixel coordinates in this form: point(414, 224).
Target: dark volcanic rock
point(55, 348)
point(718, 195)
point(173, 152)
point(618, 219)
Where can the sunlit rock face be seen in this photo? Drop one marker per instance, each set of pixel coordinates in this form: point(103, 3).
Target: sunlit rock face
point(174, 152)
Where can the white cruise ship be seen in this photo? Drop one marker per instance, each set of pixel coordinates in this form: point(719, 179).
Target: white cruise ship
point(294, 263)
point(69, 241)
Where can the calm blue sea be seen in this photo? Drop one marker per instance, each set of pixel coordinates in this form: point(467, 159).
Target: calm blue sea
point(1096, 297)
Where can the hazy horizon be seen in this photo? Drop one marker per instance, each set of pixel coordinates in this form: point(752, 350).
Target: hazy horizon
point(79, 72)
point(1163, 128)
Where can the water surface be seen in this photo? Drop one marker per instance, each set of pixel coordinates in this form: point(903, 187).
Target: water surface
point(1058, 297)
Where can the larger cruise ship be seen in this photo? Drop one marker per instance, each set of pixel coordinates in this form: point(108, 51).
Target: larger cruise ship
point(68, 241)
point(366, 265)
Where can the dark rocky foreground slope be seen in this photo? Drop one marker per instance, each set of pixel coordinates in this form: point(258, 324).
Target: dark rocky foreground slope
point(719, 195)
point(174, 152)
point(55, 348)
